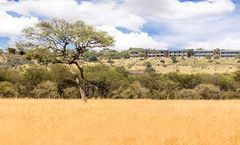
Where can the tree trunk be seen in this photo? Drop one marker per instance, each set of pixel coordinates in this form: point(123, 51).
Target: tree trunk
point(81, 85)
point(81, 90)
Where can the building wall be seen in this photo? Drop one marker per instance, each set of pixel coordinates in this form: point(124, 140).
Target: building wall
point(203, 53)
point(229, 53)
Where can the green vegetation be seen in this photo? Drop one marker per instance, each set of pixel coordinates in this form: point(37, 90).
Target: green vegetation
point(104, 81)
point(63, 42)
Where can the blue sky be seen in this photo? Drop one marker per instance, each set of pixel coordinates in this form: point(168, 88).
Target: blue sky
point(159, 24)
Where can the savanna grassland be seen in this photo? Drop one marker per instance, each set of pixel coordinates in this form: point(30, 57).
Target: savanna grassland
point(183, 66)
point(119, 122)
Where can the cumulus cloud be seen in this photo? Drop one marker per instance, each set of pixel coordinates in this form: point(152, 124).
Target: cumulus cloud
point(206, 23)
point(10, 25)
point(174, 9)
point(132, 39)
point(227, 43)
point(108, 13)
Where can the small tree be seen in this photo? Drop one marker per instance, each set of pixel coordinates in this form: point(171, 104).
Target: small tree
point(162, 61)
point(148, 67)
point(65, 43)
point(174, 59)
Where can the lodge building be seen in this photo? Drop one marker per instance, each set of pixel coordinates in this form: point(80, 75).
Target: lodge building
point(203, 53)
point(223, 53)
point(229, 53)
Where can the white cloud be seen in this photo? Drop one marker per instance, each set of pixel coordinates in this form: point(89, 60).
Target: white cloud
point(133, 39)
point(209, 23)
point(206, 32)
point(108, 13)
point(227, 43)
point(174, 9)
point(11, 25)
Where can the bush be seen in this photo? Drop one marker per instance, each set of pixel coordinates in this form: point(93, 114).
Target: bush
point(92, 59)
point(90, 56)
point(184, 80)
point(174, 59)
point(16, 60)
point(105, 79)
point(21, 91)
point(134, 91)
point(163, 88)
point(224, 82)
point(148, 67)
point(231, 95)
point(7, 90)
point(237, 75)
point(208, 91)
point(162, 61)
point(71, 93)
point(35, 75)
point(62, 76)
point(3, 74)
point(14, 76)
point(188, 94)
point(110, 61)
point(46, 89)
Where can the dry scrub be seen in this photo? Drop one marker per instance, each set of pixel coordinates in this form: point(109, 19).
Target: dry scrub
point(119, 122)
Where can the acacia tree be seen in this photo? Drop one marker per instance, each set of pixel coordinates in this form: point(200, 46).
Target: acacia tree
point(65, 43)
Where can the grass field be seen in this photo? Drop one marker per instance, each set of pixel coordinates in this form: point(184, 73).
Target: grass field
point(184, 66)
point(119, 122)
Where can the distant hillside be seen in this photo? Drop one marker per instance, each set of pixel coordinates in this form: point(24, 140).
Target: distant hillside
point(185, 66)
point(160, 65)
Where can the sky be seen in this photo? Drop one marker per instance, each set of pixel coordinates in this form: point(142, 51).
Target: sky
point(158, 24)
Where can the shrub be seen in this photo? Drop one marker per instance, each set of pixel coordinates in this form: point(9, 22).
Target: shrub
point(174, 59)
point(135, 91)
point(208, 91)
point(90, 56)
point(16, 60)
point(170, 88)
point(188, 94)
point(156, 94)
point(110, 61)
point(92, 59)
point(163, 89)
point(14, 76)
point(62, 76)
point(237, 75)
point(7, 90)
point(21, 91)
point(46, 89)
point(184, 80)
point(231, 95)
point(71, 93)
point(106, 79)
point(162, 61)
point(35, 75)
point(3, 74)
point(223, 81)
point(148, 67)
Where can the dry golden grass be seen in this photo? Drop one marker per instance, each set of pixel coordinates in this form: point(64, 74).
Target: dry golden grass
point(187, 66)
point(119, 122)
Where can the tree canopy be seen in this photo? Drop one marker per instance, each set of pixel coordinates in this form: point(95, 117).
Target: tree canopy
point(59, 41)
point(64, 40)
